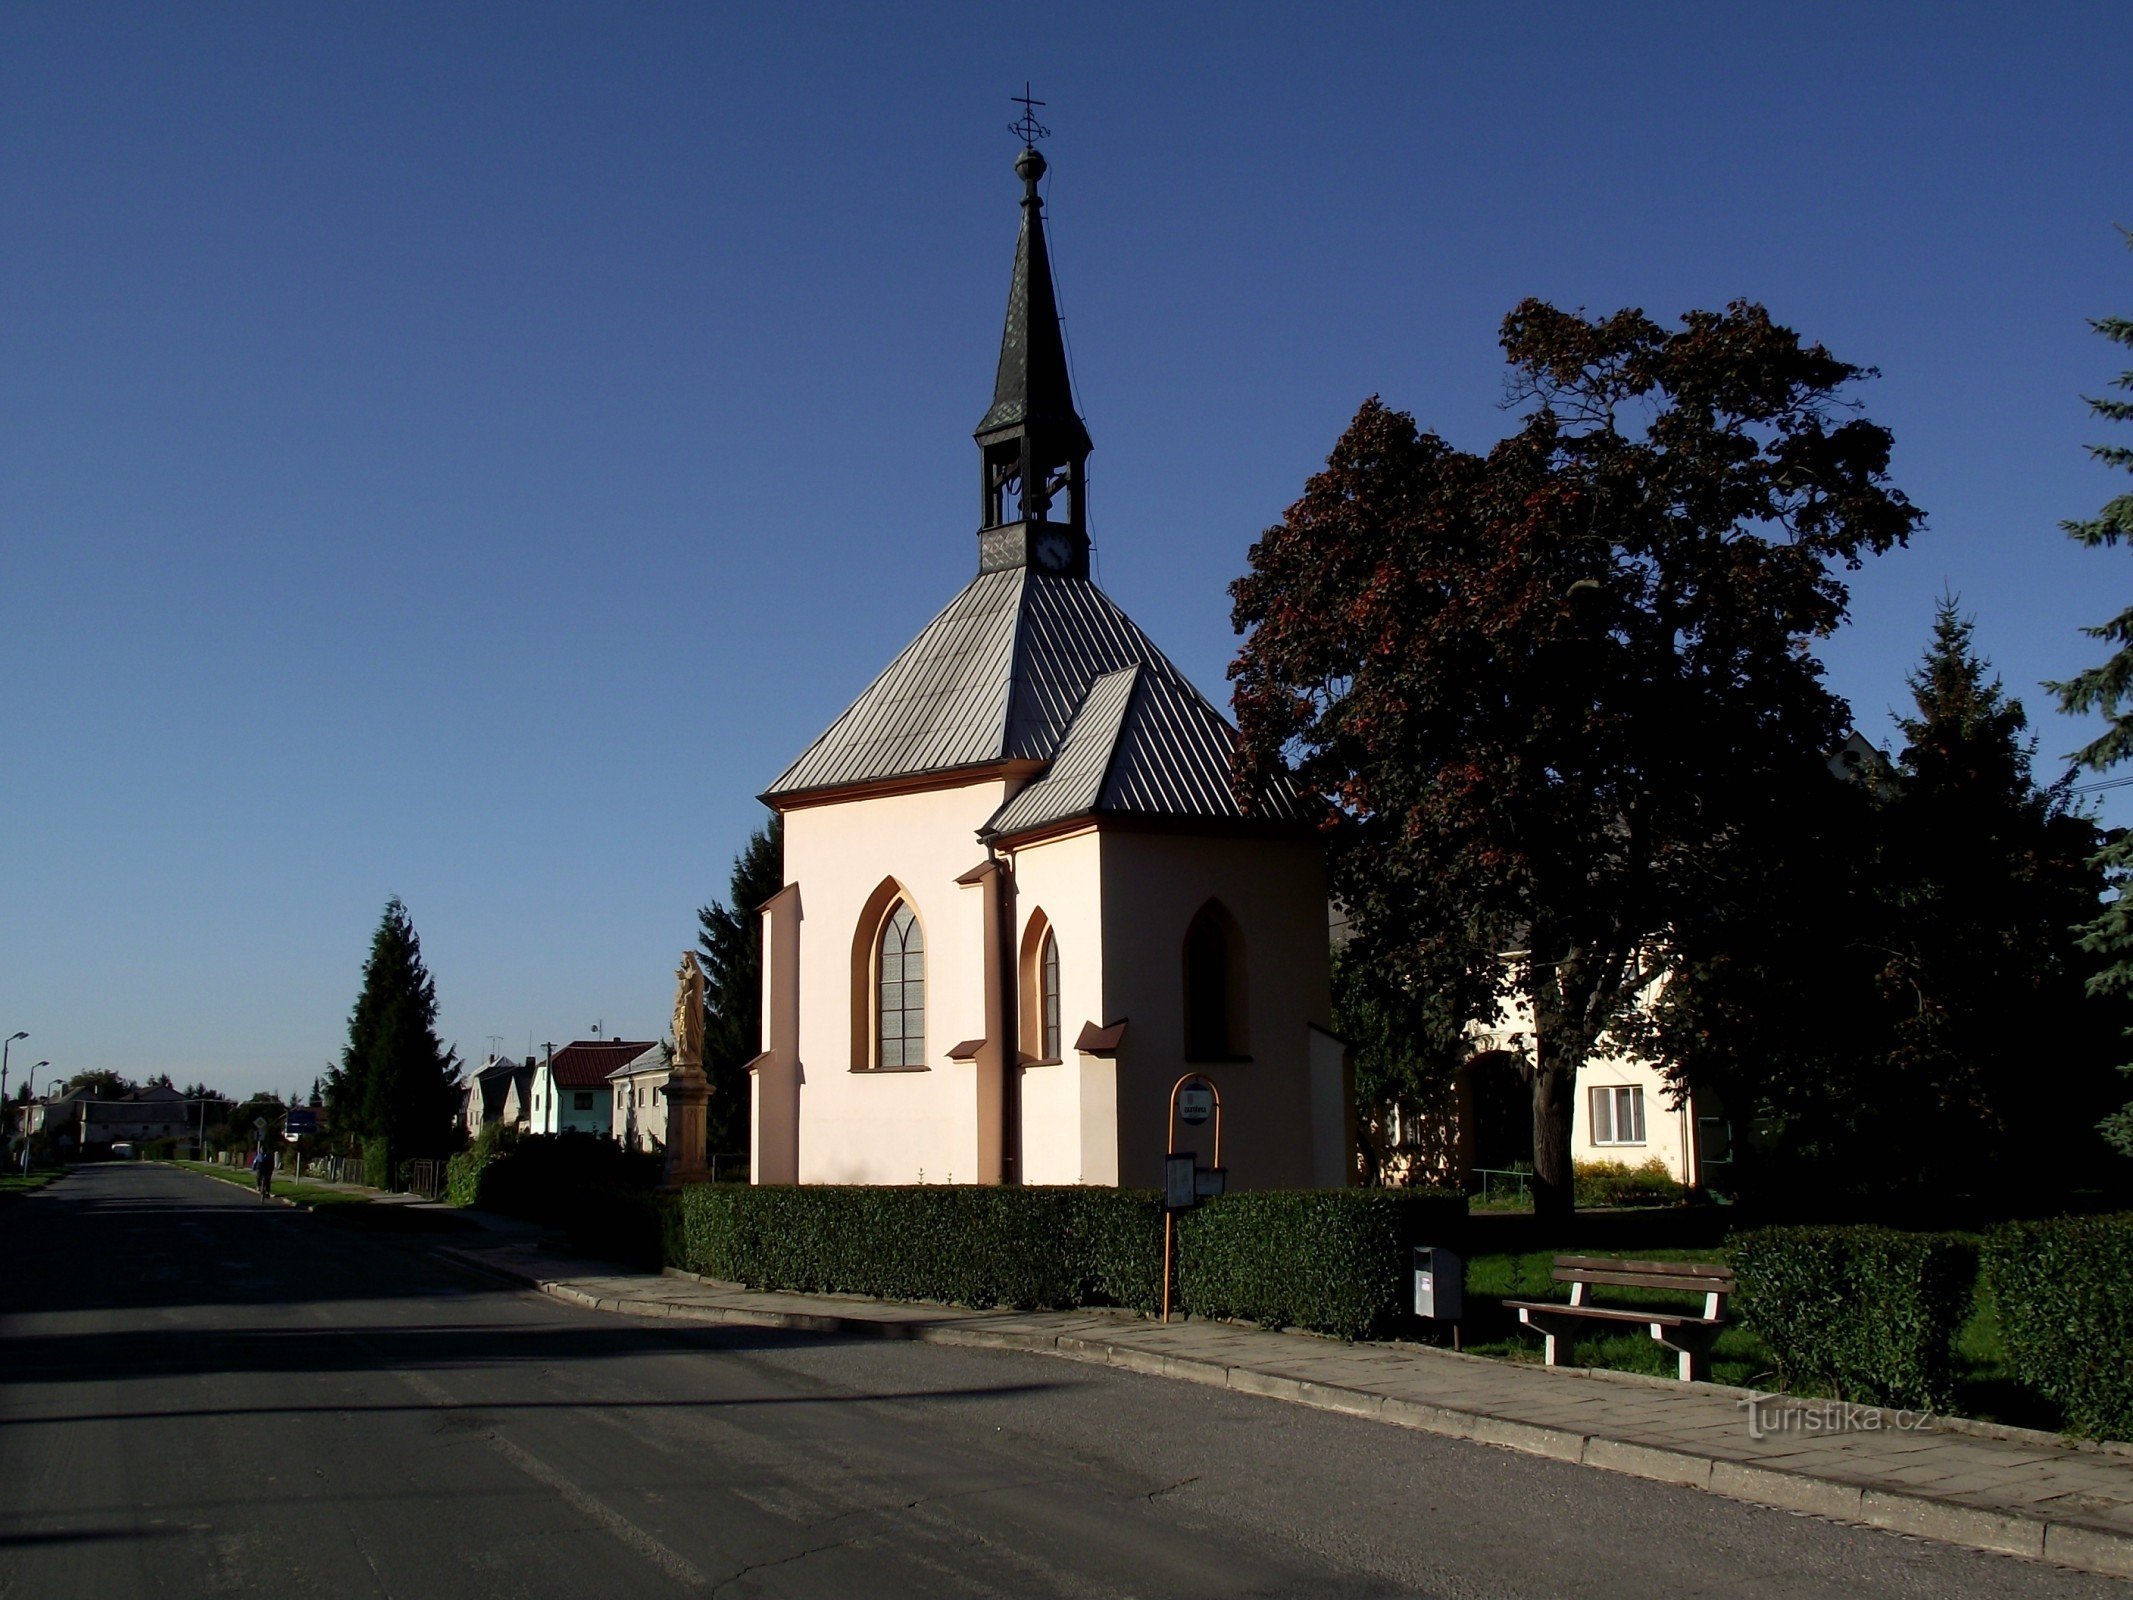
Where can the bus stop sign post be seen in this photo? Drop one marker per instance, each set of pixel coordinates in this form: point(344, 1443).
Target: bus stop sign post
point(1193, 1099)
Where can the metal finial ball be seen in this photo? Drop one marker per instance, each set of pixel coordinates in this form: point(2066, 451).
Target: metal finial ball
point(1029, 166)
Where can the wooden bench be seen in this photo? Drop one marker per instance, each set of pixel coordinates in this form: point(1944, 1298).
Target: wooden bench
point(1689, 1337)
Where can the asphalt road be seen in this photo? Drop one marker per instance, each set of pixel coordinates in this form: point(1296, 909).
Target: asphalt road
point(204, 1395)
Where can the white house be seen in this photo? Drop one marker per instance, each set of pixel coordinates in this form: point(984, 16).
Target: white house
point(1022, 899)
point(570, 1088)
point(639, 1113)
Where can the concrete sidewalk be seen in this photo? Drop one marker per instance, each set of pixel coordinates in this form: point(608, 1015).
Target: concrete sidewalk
point(2010, 1490)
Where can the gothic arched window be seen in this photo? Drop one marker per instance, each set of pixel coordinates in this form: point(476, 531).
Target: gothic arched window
point(1214, 972)
point(1048, 996)
point(900, 1010)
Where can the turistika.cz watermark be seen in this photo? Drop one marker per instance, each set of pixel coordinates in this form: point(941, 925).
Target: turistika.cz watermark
point(1770, 1415)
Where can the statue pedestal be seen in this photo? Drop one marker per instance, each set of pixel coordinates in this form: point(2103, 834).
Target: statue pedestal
point(688, 1097)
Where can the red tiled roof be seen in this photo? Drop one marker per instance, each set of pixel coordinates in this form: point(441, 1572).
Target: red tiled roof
point(585, 1063)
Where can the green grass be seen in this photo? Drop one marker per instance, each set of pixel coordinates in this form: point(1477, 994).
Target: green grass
point(21, 1183)
point(314, 1195)
point(344, 1207)
point(1985, 1388)
point(1738, 1356)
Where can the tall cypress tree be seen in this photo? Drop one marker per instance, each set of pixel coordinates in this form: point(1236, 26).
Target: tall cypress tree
point(2109, 689)
point(731, 939)
point(396, 1080)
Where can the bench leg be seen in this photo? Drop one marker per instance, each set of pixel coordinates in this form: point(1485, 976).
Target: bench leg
point(1692, 1350)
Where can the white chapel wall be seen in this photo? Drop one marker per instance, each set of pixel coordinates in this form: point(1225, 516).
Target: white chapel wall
point(889, 1126)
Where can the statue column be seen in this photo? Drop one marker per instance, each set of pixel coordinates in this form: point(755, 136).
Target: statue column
point(688, 1091)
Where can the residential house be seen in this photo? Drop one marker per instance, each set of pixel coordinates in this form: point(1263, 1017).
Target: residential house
point(571, 1093)
point(639, 1117)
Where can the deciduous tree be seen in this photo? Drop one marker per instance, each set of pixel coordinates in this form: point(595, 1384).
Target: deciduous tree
point(1554, 690)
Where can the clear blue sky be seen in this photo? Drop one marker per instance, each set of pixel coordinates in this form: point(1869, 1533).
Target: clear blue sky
point(465, 451)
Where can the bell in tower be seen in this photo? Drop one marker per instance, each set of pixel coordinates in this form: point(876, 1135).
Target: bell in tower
point(1032, 446)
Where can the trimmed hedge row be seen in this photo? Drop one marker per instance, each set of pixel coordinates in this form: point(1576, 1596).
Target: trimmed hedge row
point(962, 1244)
point(2064, 1293)
point(1870, 1311)
point(1335, 1261)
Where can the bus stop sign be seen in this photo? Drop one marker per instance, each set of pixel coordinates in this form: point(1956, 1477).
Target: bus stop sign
point(1195, 1105)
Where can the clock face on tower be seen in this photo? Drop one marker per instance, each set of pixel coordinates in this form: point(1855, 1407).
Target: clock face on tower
point(1055, 552)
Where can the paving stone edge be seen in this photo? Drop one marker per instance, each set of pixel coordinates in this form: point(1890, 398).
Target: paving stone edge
point(2039, 1539)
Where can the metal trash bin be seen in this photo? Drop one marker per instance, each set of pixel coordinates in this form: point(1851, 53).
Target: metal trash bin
point(1440, 1284)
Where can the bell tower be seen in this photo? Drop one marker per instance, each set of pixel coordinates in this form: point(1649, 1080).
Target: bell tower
point(1033, 449)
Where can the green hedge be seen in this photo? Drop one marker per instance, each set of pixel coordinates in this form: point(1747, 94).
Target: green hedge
point(1870, 1311)
point(2064, 1294)
point(462, 1176)
point(377, 1163)
point(962, 1244)
point(605, 1197)
point(1336, 1261)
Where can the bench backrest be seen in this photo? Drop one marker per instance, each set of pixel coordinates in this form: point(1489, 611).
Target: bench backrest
point(1688, 1277)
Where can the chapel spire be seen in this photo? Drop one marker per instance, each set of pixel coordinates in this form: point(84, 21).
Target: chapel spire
point(1032, 444)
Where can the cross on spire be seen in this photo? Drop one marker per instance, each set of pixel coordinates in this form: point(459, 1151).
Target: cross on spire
point(1026, 127)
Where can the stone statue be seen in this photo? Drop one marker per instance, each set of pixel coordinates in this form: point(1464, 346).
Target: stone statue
point(689, 1012)
point(688, 1090)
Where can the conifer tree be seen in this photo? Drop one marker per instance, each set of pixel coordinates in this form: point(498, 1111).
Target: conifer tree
point(2108, 689)
point(731, 939)
point(1984, 877)
point(396, 1080)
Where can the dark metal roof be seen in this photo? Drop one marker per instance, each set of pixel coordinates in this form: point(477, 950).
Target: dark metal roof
point(1032, 383)
point(1016, 661)
point(1076, 777)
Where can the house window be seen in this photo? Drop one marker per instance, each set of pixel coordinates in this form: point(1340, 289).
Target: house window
point(1048, 996)
point(900, 1029)
point(1617, 1114)
point(582, 1100)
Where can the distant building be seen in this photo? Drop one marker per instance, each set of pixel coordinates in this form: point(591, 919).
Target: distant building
point(80, 1120)
point(489, 1099)
point(639, 1117)
point(571, 1093)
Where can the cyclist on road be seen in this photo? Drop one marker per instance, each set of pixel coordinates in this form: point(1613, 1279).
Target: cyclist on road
point(263, 1171)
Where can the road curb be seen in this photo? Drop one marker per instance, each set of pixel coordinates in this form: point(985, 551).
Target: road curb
point(2075, 1545)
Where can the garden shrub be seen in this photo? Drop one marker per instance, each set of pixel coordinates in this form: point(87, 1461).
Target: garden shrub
point(1612, 1183)
point(1869, 1311)
point(377, 1163)
point(2064, 1293)
point(1336, 1261)
point(973, 1245)
point(548, 1177)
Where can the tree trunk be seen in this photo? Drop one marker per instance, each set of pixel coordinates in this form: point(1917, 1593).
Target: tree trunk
point(1555, 1078)
point(1559, 1047)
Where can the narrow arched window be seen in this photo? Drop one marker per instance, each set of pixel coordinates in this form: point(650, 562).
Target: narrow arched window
point(901, 1013)
point(1206, 991)
point(1048, 996)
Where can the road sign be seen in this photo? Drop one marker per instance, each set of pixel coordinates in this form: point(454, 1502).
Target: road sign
point(259, 1124)
point(1195, 1104)
point(302, 1119)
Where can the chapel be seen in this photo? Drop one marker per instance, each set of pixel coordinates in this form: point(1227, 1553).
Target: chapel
point(1021, 896)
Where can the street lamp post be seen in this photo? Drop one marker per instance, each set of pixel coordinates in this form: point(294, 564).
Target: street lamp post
point(5, 1047)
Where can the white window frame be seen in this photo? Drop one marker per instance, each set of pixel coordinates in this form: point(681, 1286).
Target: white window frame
point(1609, 1106)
